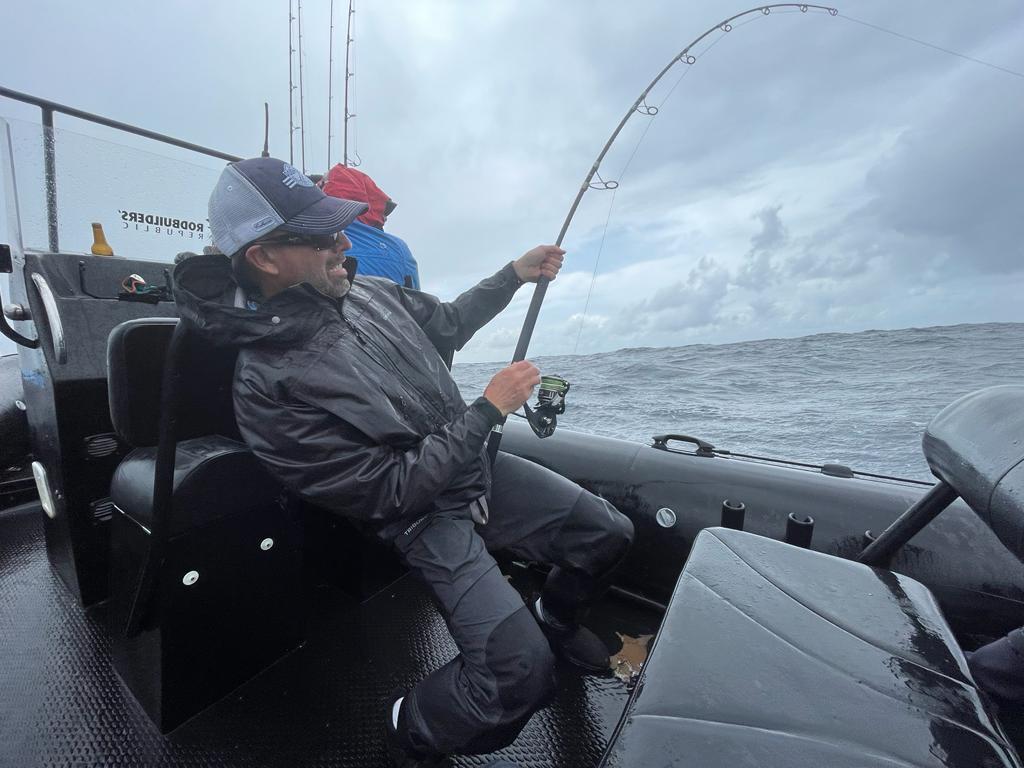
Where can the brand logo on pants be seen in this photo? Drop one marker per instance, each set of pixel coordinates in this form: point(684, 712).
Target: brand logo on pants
point(414, 526)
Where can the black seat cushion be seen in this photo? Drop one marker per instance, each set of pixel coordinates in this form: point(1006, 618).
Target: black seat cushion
point(976, 445)
point(136, 358)
point(213, 477)
point(772, 655)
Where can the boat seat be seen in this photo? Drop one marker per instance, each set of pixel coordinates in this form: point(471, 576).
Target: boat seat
point(214, 473)
point(206, 552)
point(773, 655)
point(214, 477)
point(976, 446)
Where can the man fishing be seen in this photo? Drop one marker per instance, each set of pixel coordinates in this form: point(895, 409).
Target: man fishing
point(341, 391)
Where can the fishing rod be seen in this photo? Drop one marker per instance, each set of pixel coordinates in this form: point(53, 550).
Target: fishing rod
point(642, 107)
point(266, 130)
point(348, 77)
point(302, 106)
point(291, 89)
point(330, 86)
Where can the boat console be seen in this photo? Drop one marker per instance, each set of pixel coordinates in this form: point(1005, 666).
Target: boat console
point(773, 655)
point(73, 301)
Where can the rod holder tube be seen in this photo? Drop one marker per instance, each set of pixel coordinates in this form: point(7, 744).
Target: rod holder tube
point(733, 514)
point(799, 530)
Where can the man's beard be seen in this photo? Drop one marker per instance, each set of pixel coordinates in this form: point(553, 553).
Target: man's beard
point(333, 288)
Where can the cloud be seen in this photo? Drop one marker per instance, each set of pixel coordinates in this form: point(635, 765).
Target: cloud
point(806, 174)
point(951, 188)
point(759, 270)
point(685, 304)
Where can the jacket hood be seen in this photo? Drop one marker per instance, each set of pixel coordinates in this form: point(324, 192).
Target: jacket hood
point(348, 183)
point(211, 301)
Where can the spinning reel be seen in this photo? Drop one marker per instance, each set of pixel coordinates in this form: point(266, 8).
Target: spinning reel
point(543, 417)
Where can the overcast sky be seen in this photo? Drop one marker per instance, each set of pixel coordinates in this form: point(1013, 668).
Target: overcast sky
point(807, 174)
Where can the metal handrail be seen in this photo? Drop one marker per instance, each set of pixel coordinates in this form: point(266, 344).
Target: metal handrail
point(49, 154)
point(53, 106)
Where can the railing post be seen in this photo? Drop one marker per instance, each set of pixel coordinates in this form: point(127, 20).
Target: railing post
point(50, 162)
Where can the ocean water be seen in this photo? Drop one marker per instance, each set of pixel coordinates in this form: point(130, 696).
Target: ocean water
point(860, 399)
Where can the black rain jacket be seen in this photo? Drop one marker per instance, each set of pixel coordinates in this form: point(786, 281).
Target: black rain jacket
point(348, 402)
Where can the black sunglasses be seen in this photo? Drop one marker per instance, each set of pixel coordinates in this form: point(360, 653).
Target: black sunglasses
point(319, 242)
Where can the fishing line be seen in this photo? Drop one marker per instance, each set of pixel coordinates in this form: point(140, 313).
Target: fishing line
point(932, 45)
point(622, 174)
point(638, 106)
point(593, 277)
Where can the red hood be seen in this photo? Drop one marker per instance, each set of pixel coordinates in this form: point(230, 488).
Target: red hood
point(350, 184)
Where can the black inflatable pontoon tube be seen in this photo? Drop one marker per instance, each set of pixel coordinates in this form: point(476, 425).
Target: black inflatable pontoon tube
point(733, 513)
point(799, 530)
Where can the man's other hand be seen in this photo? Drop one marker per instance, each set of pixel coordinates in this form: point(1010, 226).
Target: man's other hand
point(544, 260)
point(512, 386)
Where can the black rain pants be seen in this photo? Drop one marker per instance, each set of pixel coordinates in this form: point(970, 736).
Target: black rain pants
point(504, 672)
point(998, 668)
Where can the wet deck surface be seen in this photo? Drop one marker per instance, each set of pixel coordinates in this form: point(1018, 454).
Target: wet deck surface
point(62, 704)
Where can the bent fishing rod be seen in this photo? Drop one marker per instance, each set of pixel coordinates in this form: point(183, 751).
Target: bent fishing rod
point(642, 107)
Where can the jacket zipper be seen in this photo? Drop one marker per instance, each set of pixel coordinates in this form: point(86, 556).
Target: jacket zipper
point(366, 340)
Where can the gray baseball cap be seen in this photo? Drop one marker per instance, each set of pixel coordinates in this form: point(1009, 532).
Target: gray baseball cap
point(255, 196)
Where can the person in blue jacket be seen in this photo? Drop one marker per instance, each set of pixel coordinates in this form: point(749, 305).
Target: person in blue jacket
point(378, 252)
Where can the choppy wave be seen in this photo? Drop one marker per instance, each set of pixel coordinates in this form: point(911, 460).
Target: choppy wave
point(860, 399)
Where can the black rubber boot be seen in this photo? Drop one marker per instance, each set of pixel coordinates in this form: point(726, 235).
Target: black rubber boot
point(400, 751)
point(401, 758)
point(575, 644)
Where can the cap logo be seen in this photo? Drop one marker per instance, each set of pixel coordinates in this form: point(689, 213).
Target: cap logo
point(293, 177)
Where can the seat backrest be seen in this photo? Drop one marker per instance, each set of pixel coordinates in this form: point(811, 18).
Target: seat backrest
point(976, 446)
point(137, 353)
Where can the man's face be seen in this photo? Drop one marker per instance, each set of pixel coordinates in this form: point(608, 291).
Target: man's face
point(317, 263)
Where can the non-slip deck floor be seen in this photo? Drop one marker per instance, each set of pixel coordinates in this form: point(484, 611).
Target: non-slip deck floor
point(61, 704)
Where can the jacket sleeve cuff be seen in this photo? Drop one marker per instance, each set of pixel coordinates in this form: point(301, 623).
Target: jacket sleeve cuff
point(512, 277)
point(488, 409)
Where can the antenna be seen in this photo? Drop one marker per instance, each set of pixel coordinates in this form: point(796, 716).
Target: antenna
point(348, 76)
point(302, 105)
point(291, 88)
point(330, 91)
point(266, 130)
